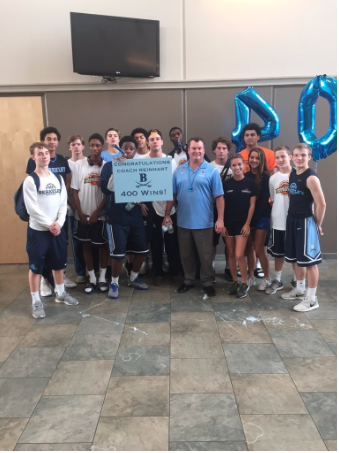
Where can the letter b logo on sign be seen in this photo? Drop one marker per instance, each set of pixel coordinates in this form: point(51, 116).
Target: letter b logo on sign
point(143, 177)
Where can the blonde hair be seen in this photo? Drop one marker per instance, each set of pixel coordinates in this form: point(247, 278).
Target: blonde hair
point(303, 146)
point(38, 145)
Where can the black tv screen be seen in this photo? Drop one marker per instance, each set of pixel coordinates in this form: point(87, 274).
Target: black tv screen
point(115, 46)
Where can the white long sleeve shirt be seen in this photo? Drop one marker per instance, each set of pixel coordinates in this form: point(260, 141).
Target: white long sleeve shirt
point(47, 205)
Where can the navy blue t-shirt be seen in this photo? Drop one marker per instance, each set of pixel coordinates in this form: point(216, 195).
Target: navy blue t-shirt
point(237, 196)
point(262, 205)
point(58, 165)
point(301, 199)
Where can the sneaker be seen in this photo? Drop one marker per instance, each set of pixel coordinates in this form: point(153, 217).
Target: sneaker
point(68, 282)
point(234, 288)
point(81, 279)
point(214, 279)
point(274, 287)
point(144, 267)
point(264, 285)
point(137, 284)
point(293, 295)
point(294, 283)
point(38, 309)
point(251, 282)
point(306, 304)
point(165, 267)
point(113, 292)
point(45, 289)
point(259, 273)
point(128, 267)
point(242, 291)
point(228, 275)
point(210, 291)
point(66, 299)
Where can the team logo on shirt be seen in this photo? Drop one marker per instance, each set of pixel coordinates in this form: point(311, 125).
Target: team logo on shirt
point(93, 179)
point(282, 188)
point(181, 162)
point(50, 190)
point(246, 191)
point(294, 189)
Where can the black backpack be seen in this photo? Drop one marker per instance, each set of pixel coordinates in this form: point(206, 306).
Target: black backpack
point(19, 202)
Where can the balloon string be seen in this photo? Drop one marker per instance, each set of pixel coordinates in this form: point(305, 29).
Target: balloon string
point(316, 166)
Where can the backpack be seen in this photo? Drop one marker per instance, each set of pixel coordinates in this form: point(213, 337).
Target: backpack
point(19, 202)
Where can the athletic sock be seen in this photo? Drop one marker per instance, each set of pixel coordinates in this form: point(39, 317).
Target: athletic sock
point(311, 293)
point(278, 275)
point(35, 297)
point(92, 277)
point(294, 277)
point(258, 265)
point(301, 286)
point(60, 289)
point(133, 276)
point(115, 280)
point(102, 274)
point(213, 264)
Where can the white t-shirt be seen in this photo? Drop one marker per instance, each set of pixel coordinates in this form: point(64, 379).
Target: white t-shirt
point(140, 156)
point(86, 179)
point(180, 158)
point(160, 206)
point(71, 164)
point(220, 169)
point(47, 205)
point(279, 193)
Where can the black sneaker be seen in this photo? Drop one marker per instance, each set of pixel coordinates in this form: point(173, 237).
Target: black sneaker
point(210, 291)
point(242, 291)
point(228, 275)
point(234, 288)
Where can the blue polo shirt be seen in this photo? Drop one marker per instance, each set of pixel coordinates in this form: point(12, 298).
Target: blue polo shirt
point(195, 206)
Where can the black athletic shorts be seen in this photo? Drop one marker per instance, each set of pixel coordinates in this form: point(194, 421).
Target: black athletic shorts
point(234, 229)
point(130, 239)
point(94, 233)
point(45, 249)
point(302, 244)
point(276, 243)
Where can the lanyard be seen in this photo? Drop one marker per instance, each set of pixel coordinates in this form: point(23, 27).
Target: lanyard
point(190, 188)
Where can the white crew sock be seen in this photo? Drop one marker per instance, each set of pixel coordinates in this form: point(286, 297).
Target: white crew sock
point(133, 276)
point(115, 280)
point(301, 286)
point(102, 275)
point(258, 265)
point(92, 277)
point(311, 293)
point(213, 264)
point(35, 297)
point(60, 289)
point(294, 277)
point(278, 275)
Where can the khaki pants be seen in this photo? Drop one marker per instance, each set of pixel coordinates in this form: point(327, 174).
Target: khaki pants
point(203, 241)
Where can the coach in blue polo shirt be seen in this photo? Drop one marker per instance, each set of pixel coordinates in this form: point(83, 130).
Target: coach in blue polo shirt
point(195, 184)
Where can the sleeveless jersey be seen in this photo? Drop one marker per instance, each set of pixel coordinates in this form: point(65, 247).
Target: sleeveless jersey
point(301, 199)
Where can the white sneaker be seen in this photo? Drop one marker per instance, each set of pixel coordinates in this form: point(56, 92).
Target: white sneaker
point(45, 289)
point(306, 304)
point(144, 267)
point(69, 283)
point(264, 285)
point(293, 295)
point(38, 309)
point(251, 282)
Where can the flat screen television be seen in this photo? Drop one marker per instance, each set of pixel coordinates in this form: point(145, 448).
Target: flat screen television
point(115, 46)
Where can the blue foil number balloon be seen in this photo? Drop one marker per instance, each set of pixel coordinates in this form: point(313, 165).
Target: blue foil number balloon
point(248, 100)
point(327, 88)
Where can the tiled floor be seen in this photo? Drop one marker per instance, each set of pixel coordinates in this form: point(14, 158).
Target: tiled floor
point(157, 370)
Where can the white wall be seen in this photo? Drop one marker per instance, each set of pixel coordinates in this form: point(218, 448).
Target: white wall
point(200, 39)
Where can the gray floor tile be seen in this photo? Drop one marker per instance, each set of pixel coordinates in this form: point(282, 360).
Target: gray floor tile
point(323, 410)
point(18, 397)
point(149, 313)
point(31, 362)
point(333, 346)
point(15, 326)
point(100, 346)
point(10, 431)
point(208, 446)
point(204, 417)
point(235, 311)
point(253, 358)
point(112, 324)
point(300, 344)
point(326, 310)
point(54, 447)
point(60, 314)
point(190, 305)
point(142, 361)
point(63, 419)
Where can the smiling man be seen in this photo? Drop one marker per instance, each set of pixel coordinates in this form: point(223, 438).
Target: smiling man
point(140, 136)
point(195, 185)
